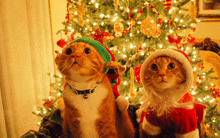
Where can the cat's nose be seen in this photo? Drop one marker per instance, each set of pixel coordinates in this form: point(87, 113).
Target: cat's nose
point(161, 75)
point(75, 55)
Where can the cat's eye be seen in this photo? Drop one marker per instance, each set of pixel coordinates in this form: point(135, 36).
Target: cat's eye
point(171, 66)
point(68, 51)
point(154, 67)
point(87, 50)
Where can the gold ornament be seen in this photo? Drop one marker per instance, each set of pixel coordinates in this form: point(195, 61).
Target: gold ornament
point(149, 27)
point(82, 21)
point(132, 93)
point(118, 27)
point(81, 10)
point(116, 4)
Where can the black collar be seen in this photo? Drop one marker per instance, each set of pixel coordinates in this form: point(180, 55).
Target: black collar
point(84, 92)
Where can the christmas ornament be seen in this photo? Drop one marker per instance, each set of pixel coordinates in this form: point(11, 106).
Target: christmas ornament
point(149, 27)
point(132, 93)
point(172, 40)
point(137, 73)
point(81, 10)
point(48, 104)
point(116, 4)
point(118, 27)
point(101, 36)
point(167, 4)
point(72, 36)
point(61, 43)
point(81, 21)
point(160, 21)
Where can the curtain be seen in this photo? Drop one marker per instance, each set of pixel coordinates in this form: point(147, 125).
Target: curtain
point(26, 56)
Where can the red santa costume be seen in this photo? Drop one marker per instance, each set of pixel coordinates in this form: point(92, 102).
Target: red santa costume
point(178, 115)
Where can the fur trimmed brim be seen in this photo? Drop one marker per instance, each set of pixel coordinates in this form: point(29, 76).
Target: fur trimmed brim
point(182, 58)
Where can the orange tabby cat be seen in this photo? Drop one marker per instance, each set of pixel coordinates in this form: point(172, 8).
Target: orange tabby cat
point(91, 115)
point(163, 74)
point(168, 109)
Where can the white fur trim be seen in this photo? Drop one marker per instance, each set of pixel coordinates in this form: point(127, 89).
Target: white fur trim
point(182, 59)
point(138, 114)
point(193, 134)
point(150, 129)
point(122, 103)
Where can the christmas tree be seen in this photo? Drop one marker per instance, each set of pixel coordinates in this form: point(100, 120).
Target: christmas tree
point(132, 30)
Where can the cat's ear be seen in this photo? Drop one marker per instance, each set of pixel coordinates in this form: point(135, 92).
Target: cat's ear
point(116, 66)
point(58, 56)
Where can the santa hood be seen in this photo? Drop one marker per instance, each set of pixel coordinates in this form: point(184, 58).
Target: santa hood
point(183, 59)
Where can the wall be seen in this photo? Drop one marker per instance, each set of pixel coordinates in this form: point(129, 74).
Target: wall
point(208, 29)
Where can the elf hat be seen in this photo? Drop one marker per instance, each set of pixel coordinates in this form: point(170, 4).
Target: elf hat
point(179, 56)
point(107, 56)
point(97, 45)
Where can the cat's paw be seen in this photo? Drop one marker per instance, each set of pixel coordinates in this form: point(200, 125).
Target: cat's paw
point(122, 103)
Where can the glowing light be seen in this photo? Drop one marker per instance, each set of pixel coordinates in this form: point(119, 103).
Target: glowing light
point(194, 52)
point(86, 28)
point(92, 1)
point(121, 7)
point(142, 53)
point(171, 31)
point(176, 19)
point(124, 56)
point(38, 123)
point(131, 46)
point(102, 23)
point(96, 5)
point(125, 82)
point(59, 94)
point(49, 98)
point(144, 44)
point(181, 20)
point(76, 13)
point(72, 30)
point(139, 22)
point(94, 23)
point(108, 16)
point(193, 93)
point(160, 46)
point(200, 99)
point(212, 100)
point(127, 97)
point(130, 34)
point(102, 15)
point(194, 69)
